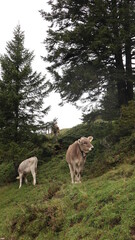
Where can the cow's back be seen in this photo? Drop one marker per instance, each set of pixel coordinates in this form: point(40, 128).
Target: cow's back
point(27, 164)
point(33, 160)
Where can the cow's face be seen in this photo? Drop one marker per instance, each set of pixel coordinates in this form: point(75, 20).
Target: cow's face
point(85, 144)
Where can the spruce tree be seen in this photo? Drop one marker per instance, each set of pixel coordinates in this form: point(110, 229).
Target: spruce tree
point(22, 92)
point(91, 42)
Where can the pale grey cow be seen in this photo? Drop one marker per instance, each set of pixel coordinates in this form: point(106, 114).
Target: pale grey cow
point(76, 157)
point(27, 166)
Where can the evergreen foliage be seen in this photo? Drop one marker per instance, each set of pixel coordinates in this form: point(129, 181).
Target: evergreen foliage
point(22, 92)
point(125, 125)
point(92, 43)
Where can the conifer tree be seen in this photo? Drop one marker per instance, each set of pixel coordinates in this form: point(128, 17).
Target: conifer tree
point(91, 42)
point(22, 92)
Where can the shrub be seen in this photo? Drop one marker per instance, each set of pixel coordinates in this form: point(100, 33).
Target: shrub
point(126, 123)
point(7, 173)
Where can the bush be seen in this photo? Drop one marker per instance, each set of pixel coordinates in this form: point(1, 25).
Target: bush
point(126, 124)
point(7, 173)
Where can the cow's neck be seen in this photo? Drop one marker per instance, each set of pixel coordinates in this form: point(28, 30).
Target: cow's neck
point(83, 153)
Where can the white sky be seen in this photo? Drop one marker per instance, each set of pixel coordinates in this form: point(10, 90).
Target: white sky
point(25, 13)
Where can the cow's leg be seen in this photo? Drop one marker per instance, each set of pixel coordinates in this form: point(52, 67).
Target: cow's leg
point(78, 174)
point(20, 177)
point(34, 177)
point(71, 173)
point(77, 177)
point(25, 178)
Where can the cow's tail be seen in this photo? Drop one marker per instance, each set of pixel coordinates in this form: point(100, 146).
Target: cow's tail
point(18, 177)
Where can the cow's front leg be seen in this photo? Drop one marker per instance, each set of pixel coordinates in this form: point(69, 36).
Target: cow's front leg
point(77, 177)
point(71, 173)
point(80, 173)
point(77, 173)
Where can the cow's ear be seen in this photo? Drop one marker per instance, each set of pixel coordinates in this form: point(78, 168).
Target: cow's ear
point(90, 138)
point(79, 141)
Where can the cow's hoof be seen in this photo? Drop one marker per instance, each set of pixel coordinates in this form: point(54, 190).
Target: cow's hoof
point(77, 182)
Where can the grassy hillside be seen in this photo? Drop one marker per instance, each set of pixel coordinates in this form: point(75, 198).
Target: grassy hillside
point(100, 208)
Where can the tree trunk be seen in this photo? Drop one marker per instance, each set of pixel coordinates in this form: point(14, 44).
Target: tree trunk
point(120, 78)
point(128, 54)
point(15, 167)
point(120, 72)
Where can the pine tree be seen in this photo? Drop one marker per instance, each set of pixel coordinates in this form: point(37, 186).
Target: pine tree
point(22, 92)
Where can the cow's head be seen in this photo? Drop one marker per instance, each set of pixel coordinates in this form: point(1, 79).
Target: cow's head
point(85, 144)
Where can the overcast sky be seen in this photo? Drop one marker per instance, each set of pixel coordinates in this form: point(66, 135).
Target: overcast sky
point(25, 13)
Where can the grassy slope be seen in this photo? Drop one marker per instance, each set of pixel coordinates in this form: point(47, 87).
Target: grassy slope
point(101, 208)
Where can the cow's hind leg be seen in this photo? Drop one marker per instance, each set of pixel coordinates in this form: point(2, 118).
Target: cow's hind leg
point(34, 177)
point(25, 179)
point(20, 177)
point(71, 173)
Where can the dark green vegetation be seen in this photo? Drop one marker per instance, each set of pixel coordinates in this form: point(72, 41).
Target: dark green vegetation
point(101, 207)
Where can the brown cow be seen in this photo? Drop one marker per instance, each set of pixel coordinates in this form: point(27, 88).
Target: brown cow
point(27, 166)
point(76, 157)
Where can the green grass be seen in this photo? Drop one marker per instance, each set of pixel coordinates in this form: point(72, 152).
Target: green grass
point(99, 208)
